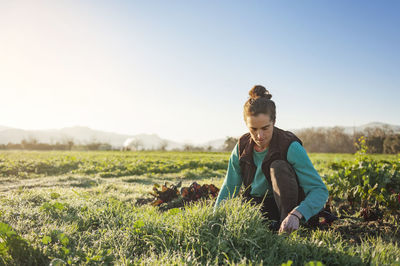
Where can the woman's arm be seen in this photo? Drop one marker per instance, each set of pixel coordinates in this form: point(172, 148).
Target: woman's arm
point(231, 186)
point(309, 179)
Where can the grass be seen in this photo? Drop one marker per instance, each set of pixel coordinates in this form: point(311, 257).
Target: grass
point(87, 219)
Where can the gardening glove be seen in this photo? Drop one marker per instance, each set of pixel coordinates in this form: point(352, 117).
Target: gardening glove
point(291, 222)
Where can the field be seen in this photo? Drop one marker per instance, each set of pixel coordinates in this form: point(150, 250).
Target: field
point(81, 208)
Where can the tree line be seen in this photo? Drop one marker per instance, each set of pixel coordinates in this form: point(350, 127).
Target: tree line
point(68, 145)
point(336, 140)
point(322, 140)
point(34, 144)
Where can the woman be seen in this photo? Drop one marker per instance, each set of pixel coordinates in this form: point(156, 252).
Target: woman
point(273, 167)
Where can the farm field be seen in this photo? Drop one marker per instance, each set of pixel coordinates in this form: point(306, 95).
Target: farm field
point(81, 208)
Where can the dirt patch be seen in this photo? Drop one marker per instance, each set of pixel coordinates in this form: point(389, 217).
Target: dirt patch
point(355, 229)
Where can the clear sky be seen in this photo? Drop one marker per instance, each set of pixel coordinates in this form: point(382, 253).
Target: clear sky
point(183, 69)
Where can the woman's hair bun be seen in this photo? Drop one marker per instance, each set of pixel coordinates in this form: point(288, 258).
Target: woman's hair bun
point(259, 91)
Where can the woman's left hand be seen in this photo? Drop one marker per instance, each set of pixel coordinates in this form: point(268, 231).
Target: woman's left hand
point(291, 222)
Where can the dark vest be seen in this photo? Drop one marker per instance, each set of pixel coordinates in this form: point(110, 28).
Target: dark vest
point(277, 150)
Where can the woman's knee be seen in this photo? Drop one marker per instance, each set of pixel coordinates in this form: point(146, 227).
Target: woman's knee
point(280, 164)
point(282, 168)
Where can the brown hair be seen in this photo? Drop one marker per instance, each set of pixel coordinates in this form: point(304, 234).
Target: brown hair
point(259, 102)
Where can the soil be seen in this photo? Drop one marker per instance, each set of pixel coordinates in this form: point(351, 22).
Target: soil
point(356, 229)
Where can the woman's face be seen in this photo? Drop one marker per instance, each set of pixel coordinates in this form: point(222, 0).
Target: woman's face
point(261, 128)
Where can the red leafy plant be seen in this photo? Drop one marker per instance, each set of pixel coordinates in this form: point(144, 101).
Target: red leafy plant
point(170, 196)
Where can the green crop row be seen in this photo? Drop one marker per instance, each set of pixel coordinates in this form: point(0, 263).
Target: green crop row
point(107, 164)
point(368, 185)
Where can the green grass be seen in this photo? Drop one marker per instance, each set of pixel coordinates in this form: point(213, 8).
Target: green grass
point(82, 217)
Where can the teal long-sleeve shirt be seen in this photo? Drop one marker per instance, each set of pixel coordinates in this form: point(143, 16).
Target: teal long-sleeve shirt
point(309, 179)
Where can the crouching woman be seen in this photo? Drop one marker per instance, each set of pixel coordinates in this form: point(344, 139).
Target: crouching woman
point(274, 168)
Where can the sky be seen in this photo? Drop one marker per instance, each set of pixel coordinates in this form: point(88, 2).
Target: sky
point(183, 69)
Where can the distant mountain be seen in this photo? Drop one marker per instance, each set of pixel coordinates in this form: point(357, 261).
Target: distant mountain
point(80, 135)
point(395, 128)
point(3, 128)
